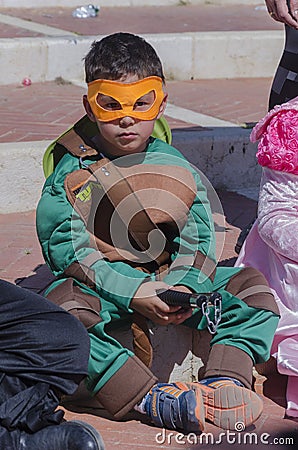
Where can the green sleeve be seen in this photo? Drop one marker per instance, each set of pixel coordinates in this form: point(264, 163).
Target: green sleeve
point(64, 240)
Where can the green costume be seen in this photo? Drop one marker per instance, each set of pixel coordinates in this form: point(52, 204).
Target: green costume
point(249, 314)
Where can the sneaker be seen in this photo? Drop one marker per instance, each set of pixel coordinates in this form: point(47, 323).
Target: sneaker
point(227, 403)
point(176, 409)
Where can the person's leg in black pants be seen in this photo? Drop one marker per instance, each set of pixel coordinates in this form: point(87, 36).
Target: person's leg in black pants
point(44, 353)
point(285, 82)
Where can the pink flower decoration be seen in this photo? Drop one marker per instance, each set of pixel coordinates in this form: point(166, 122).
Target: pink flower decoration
point(278, 135)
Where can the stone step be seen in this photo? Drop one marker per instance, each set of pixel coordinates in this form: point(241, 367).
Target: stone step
point(193, 40)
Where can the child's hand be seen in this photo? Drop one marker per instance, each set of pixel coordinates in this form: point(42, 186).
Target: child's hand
point(147, 303)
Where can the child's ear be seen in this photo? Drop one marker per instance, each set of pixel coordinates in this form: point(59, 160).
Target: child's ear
point(88, 109)
point(162, 106)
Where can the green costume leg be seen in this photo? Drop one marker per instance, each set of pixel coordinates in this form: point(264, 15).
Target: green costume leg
point(115, 375)
point(245, 332)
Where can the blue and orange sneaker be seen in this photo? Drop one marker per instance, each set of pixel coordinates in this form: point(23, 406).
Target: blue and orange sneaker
point(227, 403)
point(176, 409)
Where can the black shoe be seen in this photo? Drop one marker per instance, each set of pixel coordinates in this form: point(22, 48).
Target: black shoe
point(73, 435)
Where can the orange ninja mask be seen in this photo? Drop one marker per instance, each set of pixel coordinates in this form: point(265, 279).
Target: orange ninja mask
point(126, 96)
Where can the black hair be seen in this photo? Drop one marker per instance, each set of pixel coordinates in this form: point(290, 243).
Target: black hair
point(121, 54)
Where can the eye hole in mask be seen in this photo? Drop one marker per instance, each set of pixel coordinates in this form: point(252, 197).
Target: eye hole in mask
point(111, 104)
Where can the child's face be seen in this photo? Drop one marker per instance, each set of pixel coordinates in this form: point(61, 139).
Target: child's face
point(125, 135)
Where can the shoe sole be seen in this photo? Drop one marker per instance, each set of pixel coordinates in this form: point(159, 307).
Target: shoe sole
point(229, 407)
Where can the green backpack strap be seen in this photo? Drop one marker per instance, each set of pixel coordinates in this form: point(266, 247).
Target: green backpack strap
point(161, 131)
point(48, 157)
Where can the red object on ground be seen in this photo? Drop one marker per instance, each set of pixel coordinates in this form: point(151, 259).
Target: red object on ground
point(26, 82)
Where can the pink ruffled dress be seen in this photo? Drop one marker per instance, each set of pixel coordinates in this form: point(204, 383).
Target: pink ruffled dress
point(272, 244)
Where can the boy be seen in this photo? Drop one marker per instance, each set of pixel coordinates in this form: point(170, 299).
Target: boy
point(124, 216)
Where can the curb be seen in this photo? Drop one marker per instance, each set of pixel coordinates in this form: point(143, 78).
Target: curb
point(224, 155)
point(202, 55)
point(22, 175)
